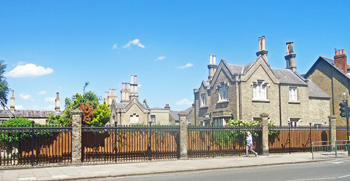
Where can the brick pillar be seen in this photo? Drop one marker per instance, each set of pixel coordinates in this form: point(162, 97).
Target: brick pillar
point(76, 136)
point(265, 134)
point(333, 129)
point(183, 135)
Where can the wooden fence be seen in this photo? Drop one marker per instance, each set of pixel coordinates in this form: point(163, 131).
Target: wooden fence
point(126, 143)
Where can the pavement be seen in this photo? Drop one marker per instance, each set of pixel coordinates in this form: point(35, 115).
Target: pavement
point(74, 172)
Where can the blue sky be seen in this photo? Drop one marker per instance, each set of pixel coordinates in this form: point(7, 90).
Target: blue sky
point(56, 46)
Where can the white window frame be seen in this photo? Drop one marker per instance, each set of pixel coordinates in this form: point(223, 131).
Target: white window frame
point(223, 92)
point(260, 90)
point(293, 94)
point(203, 100)
point(294, 122)
point(153, 118)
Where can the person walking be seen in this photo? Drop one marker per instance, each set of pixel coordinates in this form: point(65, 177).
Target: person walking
point(249, 145)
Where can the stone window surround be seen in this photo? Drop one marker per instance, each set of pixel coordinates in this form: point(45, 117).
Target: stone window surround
point(262, 82)
point(296, 100)
point(218, 87)
point(203, 102)
point(294, 122)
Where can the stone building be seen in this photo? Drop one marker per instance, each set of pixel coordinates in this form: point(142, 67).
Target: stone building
point(245, 91)
point(130, 111)
point(38, 116)
point(331, 75)
point(175, 119)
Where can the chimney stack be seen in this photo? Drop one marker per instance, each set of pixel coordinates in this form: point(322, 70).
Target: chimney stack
point(262, 51)
point(212, 66)
point(167, 106)
point(57, 101)
point(340, 60)
point(290, 57)
point(12, 106)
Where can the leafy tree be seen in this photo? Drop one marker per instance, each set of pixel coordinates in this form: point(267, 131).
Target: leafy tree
point(102, 115)
point(4, 90)
point(62, 120)
point(88, 112)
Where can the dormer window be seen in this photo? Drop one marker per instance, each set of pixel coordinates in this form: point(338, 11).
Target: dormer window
point(259, 90)
point(223, 91)
point(203, 100)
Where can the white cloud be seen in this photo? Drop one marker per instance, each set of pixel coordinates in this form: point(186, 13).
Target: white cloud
point(183, 102)
point(115, 46)
point(29, 70)
point(41, 92)
point(50, 99)
point(161, 58)
point(186, 66)
point(134, 42)
point(139, 85)
point(25, 96)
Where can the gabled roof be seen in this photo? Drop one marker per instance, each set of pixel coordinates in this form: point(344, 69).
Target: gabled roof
point(330, 62)
point(175, 114)
point(287, 76)
point(315, 91)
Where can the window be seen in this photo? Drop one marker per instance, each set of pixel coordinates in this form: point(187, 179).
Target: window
point(223, 92)
point(134, 118)
point(219, 122)
point(203, 100)
point(317, 125)
point(293, 94)
point(259, 90)
point(153, 118)
point(189, 121)
point(294, 122)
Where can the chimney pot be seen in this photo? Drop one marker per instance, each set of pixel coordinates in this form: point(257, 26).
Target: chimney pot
point(135, 79)
point(132, 79)
point(210, 59)
point(214, 59)
point(343, 51)
point(336, 52)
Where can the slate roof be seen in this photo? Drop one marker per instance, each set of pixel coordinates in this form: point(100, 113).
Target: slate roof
point(287, 76)
point(122, 105)
point(315, 91)
point(175, 114)
point(284, 75)
point(331, 62)
point(30, 113)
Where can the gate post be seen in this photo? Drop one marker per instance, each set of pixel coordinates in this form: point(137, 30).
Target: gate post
point(265, 133)
point(76, 136)
point(333, 129)
point(183, 135)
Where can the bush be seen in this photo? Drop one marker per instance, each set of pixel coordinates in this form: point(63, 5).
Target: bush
point(13, 136)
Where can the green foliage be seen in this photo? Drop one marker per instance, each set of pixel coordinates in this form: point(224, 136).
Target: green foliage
point(101, 115)
point(4, 90)
point(62, 120)
point(239, 136)
point(12, 136)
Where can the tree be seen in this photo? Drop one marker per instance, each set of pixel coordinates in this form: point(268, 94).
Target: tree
point(4, 90)
point(101, 115)
point(88, 112)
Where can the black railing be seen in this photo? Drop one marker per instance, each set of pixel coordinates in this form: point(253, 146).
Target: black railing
point(35, 146)
point(220, 141)
point(130, 143)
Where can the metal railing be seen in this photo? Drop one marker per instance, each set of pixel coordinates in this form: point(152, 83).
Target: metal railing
point(34, 146)
point(129, 143)
point(212, 141)
point(330, 149)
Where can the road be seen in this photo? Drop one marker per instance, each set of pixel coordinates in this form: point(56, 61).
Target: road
point(327, 170)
